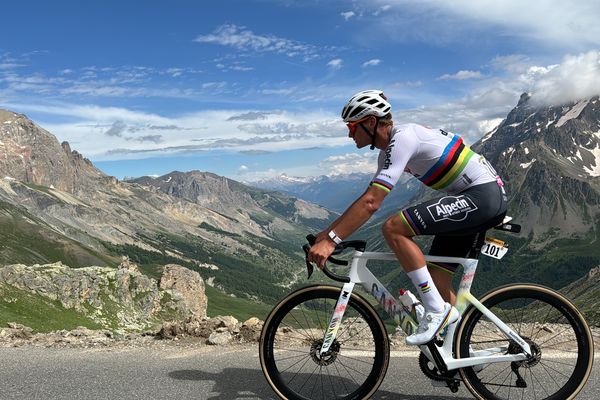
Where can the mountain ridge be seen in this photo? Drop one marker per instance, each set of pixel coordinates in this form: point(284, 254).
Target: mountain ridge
point(56, 206)
point(549, 157)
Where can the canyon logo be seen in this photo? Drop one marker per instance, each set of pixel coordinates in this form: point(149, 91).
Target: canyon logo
point(452, 208)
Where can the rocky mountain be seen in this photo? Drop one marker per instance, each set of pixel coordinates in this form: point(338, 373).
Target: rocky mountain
point(32, 155)
point(56, 206)
point(225, 196)
point(549, 158)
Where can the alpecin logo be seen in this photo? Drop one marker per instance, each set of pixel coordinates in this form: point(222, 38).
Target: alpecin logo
point(452, 208)
point(387, 162)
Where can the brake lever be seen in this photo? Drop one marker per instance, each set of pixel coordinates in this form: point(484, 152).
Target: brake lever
point(309, 266)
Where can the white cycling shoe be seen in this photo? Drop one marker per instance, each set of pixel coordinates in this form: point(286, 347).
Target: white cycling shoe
point(432, 324)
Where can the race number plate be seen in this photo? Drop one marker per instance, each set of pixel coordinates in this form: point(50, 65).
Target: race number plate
point(494, 248)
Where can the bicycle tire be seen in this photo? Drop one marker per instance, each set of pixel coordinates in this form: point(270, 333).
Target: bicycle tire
point(347, 371)
point(556, 331)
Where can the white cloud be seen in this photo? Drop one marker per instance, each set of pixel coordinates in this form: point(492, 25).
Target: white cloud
point(335, 64)
point(577, 77)
point(242, 169)
point(566, 24)
point(347, 15)
point(371, 63)
point(513, 63)
point(115, 133)
point(241, 38)
point(122, 81)
point(349, 163)
point(461, 75)
point(382, 9)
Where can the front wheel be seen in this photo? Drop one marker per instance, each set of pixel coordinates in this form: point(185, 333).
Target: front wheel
point(559, 337)
point(291, 340)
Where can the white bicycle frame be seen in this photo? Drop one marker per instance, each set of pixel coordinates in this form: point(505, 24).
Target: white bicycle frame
point(360, 274)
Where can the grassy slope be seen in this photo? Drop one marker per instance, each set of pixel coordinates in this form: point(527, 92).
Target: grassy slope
point(24, 242)
point(37, 312)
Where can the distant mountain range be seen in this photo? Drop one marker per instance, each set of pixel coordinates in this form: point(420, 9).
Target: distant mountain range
point(337, 192)
point(333, 192)
point(56, 206)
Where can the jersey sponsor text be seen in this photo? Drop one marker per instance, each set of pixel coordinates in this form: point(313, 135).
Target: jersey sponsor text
point(454, 208)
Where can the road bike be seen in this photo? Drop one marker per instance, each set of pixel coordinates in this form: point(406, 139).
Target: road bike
point(520, 341)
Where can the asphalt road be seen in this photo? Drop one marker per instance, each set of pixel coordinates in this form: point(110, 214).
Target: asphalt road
point(181, 373)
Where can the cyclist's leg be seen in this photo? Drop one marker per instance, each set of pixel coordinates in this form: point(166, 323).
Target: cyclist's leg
point(400, 239)
point(443, 273)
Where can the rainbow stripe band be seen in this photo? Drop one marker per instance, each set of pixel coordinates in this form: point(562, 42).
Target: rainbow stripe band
point(381, 184)
point(453, 161)
point(448, 268)
point(424, 287)
point(408, 221)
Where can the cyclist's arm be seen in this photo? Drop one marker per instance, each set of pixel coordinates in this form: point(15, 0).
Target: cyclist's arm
point(359, 212)
point(353, 218)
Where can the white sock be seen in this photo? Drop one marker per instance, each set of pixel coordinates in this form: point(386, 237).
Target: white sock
point(430, 297)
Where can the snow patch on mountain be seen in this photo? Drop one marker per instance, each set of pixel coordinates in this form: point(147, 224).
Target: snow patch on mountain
point(528, 164)
point(572, 113)
point(595, 170)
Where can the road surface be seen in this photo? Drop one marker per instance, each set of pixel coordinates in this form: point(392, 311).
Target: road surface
point(182, 373)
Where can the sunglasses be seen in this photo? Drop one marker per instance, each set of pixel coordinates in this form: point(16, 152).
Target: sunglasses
point(352, 125)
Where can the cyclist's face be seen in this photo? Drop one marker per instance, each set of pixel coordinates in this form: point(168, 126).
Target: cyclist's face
point(356, 131)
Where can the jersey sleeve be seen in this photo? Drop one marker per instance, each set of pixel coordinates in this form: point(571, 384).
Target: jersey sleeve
point(393, 160)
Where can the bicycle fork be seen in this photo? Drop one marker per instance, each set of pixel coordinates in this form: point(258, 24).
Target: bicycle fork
point(336, 319)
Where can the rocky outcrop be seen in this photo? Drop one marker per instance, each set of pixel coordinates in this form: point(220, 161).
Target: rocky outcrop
point(119, 298)
point(187, 289)
point(132, 307)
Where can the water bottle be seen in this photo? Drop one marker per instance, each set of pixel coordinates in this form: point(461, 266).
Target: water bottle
point(412, 305)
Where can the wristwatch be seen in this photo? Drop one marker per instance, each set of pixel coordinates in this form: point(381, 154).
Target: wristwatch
point(333, 236)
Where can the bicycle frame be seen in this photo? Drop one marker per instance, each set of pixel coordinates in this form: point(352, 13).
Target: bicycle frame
point(360, 274)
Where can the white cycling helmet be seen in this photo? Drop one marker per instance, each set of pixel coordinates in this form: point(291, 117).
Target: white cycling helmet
point(365, 103)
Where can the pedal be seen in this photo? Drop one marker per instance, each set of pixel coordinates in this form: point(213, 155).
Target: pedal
point(453, 385)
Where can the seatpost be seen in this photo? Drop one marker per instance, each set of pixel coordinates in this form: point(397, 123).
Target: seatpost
point(478, 241)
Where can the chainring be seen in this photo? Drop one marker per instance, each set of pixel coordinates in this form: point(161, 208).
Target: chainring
point(430, 370)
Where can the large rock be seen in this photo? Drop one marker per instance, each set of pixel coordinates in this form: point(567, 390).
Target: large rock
point(119, 298)
point(187, 288)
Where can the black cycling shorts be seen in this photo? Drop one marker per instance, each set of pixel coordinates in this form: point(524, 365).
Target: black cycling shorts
point(456, 219)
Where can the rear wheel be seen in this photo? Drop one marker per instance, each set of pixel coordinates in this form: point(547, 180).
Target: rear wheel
point(291, 339)
point(557, 333)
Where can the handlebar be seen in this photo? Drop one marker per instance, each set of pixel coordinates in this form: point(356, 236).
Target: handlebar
point(358, 245)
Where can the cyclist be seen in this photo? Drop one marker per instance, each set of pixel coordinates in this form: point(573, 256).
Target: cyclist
point(474, 199)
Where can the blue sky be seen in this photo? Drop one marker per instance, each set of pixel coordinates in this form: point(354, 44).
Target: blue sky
point(251, 89)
